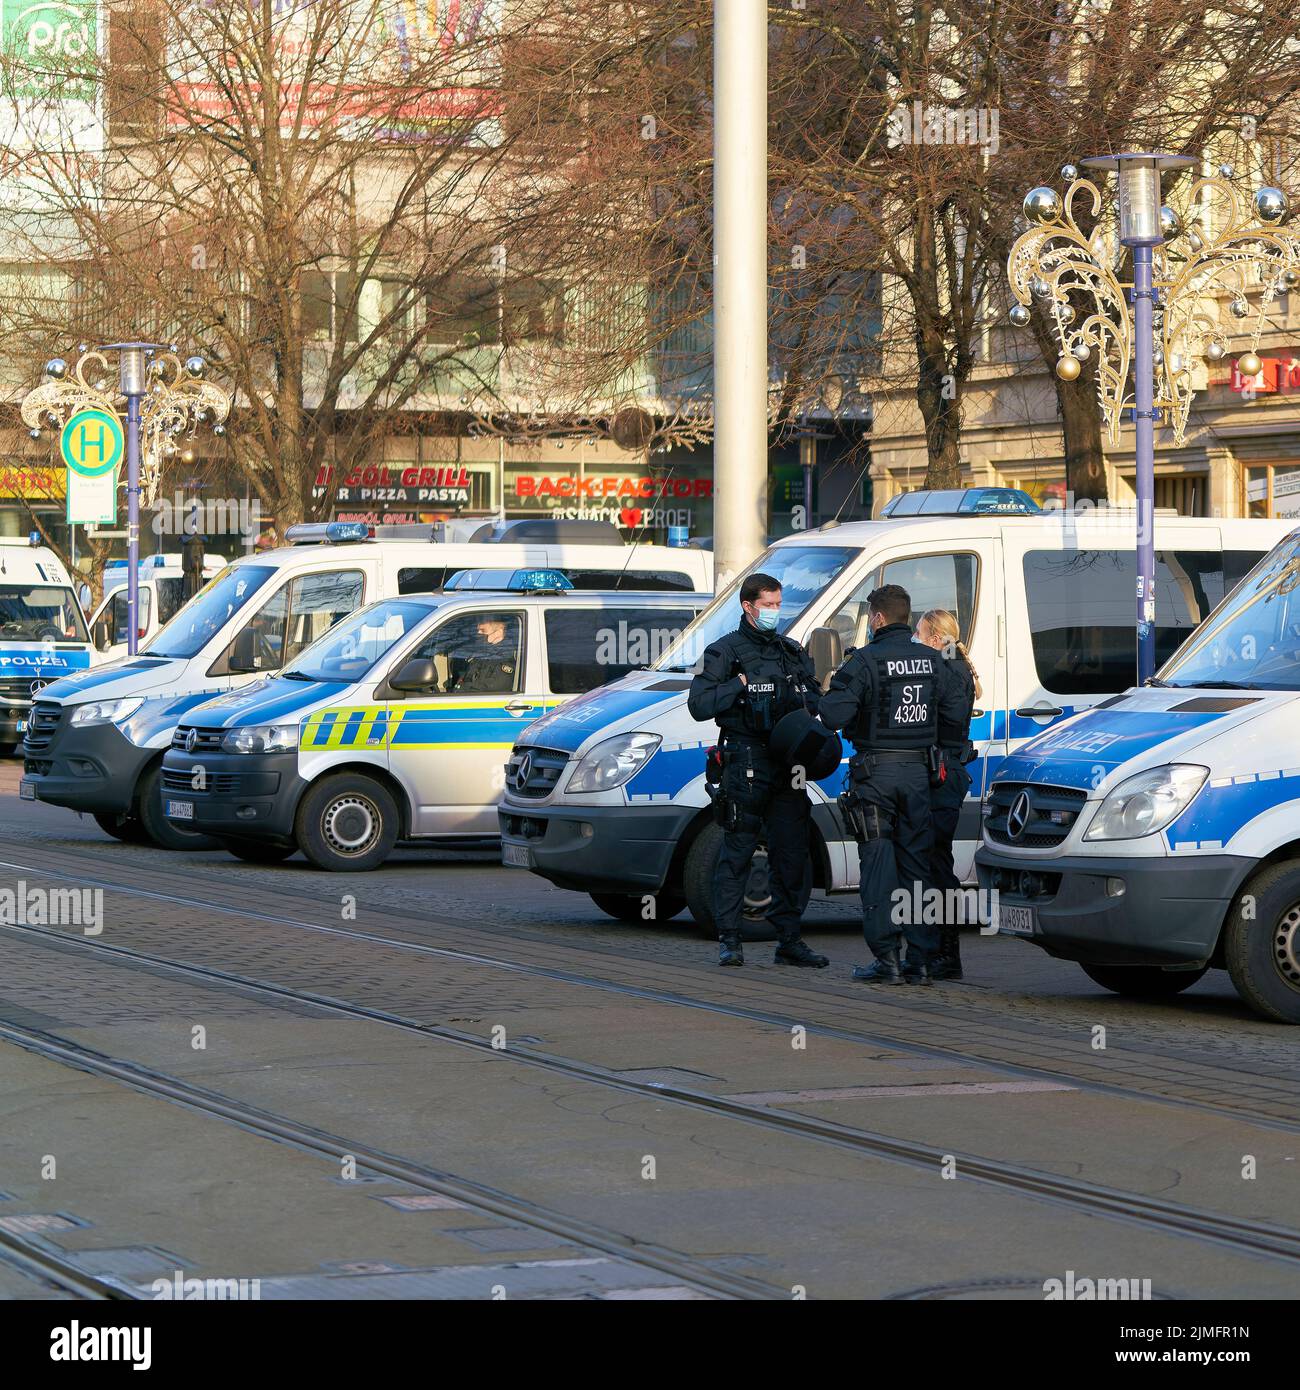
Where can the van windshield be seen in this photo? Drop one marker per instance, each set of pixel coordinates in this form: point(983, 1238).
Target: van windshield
point(349, 650)
point(803, 571)
point(209, 611)
point(39, 612)
point(1252, 639)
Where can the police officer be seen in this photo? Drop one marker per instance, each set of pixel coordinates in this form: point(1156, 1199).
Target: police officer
point(747, 682)
point(491, 668)
point(938, 628)
point(889, 697)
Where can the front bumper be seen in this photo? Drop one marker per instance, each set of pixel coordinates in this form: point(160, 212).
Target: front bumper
point(1170, 913)
point(600, 849)
point(241, 795)
point(12, 714)
point(91, 767)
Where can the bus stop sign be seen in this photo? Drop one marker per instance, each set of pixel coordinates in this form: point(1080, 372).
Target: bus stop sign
point(92, 443)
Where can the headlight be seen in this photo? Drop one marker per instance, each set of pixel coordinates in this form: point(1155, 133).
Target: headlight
point(613, 762)
point(107, 711)
point(262, 738)
point(1146, 803)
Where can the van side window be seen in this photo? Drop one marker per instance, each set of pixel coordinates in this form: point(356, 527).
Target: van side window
point(113, 626)
point(420, 581)
point(477, 654)
point(588, 647)
point(316, 603)
point(171, 598)
point(645, 580)
point(1081, 611)
point(933, 581)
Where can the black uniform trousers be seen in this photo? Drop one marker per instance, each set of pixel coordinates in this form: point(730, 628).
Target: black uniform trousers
point(774, 809)
point(899, 859)
point(946, 802)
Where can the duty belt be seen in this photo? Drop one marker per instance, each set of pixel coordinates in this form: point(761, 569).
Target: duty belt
point(895, 755)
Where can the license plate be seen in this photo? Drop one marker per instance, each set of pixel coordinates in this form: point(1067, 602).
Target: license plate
point(1016, 921)
point(517, 856)
point(27, 790)
point(180, 810)
point(22, 726)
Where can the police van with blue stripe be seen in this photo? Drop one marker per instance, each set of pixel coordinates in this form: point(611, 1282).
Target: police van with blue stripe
point(397, 724)
point(96, 740)
point(614, 801)
point(43, 633)
point(1157, 835)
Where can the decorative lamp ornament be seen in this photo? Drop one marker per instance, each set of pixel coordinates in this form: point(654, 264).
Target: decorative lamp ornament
point(1270, 204)
point(218, 429)
point(1227, 171)
point(1194, 241)
point(1170, 223)
point(1240, 309)
point(1069, 172)
point(1042, 205)
point(1215, 352)
point(1290, 279)
point(56, 368)
point(1038, 286)
point(1068, 368)
point(33, 434)
point(1248, 364)
point(1065, 314)
point(157, 368)
point(195, 365)
point(1082, 351)
point(1019, 315)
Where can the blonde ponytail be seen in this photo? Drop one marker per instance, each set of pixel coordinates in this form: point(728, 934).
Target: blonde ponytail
point(944, 624)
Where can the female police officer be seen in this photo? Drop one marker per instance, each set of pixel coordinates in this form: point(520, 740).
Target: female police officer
point(747, 683)
point(938, 628)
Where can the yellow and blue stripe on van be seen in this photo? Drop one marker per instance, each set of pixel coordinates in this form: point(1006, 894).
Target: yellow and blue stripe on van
point(449, 724)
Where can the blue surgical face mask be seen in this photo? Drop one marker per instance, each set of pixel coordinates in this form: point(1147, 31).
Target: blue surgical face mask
point(768, 618)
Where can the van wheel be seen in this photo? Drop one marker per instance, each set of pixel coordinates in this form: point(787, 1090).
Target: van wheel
point(347, 823)
point(162, 832)
point(1143, 981)
point(1262, 947)
point(698, 874)
point(125, 828)
point(629, 907)
point(258, 851)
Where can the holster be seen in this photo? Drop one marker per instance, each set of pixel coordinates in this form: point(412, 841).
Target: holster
point(969, 753)
point(936, 761)
point(861, 818)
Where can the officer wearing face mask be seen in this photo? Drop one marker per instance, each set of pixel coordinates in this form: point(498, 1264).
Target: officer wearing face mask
point(747, 683)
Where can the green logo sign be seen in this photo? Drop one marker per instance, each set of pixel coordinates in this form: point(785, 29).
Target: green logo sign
point(92, 442)
point(53, 47)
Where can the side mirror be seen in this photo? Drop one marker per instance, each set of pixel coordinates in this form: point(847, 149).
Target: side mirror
point(243, 652)
point(415, 675)
point(826, 648)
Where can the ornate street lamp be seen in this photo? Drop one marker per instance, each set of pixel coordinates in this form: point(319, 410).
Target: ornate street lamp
point(1171, 318)
point(165, 400)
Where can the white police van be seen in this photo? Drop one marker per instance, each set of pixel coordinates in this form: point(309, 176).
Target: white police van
point(1157, 836)
point(615, 802)
point(161, 588)
point(396, 725)
point(96, 741)
point(42, 631)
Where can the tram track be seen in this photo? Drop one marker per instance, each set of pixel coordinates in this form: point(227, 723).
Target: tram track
point(37, 1261)
point(650, 994)
point(1258, 1239)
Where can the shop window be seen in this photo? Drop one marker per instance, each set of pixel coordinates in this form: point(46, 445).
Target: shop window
point(1273, 490)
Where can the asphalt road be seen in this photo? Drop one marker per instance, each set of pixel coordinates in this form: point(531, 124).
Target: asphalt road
point(450, 1079)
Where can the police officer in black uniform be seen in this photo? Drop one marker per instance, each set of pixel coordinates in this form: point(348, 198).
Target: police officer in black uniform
point(747, 682)
point(889, 697)
point(490, 670)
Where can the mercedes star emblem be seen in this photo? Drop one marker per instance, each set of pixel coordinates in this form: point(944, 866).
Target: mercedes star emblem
point(522, 771)
point(1018, 816)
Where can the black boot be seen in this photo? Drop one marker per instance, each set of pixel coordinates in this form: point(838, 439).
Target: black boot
point(797, 952)
point(884, 970)
point(729, 952)
point(947, 964)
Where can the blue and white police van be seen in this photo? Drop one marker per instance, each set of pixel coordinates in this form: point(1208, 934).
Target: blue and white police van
point(96, 741)
point(613, 802)
point(43, 634)
point(1157, 835)
point(397, 724)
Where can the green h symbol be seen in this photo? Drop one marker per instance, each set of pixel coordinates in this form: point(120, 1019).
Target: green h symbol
point(98, 440)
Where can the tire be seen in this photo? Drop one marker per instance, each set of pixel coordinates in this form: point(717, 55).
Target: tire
point(628, 907)
point(1262, 949)
point(157, 828)
point(1143, 981)
point(698, 874)
point(258, 851)
point(347, 823)
point(125, 828)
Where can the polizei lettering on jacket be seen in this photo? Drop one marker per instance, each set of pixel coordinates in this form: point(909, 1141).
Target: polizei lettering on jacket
point(920, 666)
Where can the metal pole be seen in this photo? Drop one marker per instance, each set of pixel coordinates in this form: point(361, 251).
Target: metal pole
point(132, 520)
point(1144, 346)
point(740, 284)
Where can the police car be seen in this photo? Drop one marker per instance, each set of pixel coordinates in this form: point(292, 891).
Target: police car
point(96, 740)
point(42, 631)
point(161, 590)
point(396, 725)
point(1157, 836)
point(615, 803)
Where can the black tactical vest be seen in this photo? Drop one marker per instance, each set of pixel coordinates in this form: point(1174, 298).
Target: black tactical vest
point(904, 713)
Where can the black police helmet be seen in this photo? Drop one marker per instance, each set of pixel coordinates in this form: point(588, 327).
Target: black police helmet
point(799, 740)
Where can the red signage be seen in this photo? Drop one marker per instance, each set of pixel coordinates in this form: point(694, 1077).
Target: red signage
point(441, 485)
point(546, 485)
point(1275, 375)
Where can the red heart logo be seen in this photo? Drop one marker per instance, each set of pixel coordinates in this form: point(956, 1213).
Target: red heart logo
point(630, 516)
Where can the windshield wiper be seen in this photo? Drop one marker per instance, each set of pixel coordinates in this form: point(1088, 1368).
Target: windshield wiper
point(296, 676)
point(1215, 685)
